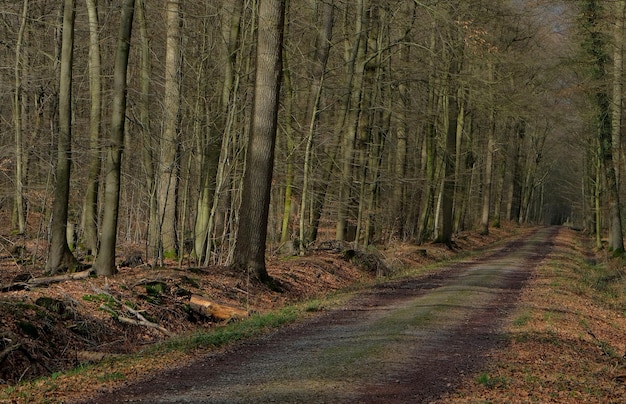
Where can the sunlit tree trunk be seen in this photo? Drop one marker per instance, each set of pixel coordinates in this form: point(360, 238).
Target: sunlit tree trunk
point(489, 154)
point(250, 245)
point(17, 121)
point(60, 257)
point(169, 164)
point(105, 262)
point(90, 205)
point(148, 149)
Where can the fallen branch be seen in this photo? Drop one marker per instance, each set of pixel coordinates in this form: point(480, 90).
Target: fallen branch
point(46, 280)
point(6, 351)
point(60, 278)
point(141, 320)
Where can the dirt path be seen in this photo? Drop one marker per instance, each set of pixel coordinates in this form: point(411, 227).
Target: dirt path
point(405, 341)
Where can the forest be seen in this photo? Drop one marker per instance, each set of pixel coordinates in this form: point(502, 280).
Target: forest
point(170, 167)
point(215, 131)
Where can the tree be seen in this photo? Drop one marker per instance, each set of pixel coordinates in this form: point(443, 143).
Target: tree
point(17, 121)
point(90, 205)
point(322, 50)
point(170, 160)
point(251, 237)
point(105, 263)
point(594, 44)
point(60, 257)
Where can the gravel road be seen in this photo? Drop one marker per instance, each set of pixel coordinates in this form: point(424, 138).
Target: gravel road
point(398, 342)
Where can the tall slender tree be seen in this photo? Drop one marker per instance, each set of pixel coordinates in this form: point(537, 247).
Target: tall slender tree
point(105, 262)
point(170, 160)
point(60, 257)
point(90, 205)
point(17, 121)
point(252, 235)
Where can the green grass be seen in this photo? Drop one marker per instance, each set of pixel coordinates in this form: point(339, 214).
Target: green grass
point(491, 382)
point(522, 319)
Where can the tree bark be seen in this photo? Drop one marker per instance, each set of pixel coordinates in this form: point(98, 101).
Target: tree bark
point(105, 263)
point(17, 121)
point(90, 205)
point(60, 257)
point(352, 109)
point(251, 238)
point(169, 161)
point(617, 103)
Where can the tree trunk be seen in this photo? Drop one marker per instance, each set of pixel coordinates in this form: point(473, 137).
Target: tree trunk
point(105, 263)
point(618, 70)
point(251, 238)
point(170, 149)
point(90, 205)
point(148, 149)
point(60, 256)
point(352, 110)
point(452, 111)
point(17, 121)
point(399, 115)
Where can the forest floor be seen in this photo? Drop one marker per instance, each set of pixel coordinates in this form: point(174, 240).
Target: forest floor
point(563, 346)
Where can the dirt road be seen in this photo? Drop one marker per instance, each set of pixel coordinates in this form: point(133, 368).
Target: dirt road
point(404, 341)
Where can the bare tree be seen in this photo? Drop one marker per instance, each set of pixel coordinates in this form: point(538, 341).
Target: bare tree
point(17, 121)
point(90, 205)
point(60, 257)
point(170, 160)
point(251, 238)
point(105, 263)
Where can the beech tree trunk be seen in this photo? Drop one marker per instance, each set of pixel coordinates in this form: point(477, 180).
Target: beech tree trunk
point(60, 257)
point(90, 205)
point(17, 121)
point(351, 109)
point(250, 246)
point(105, 263)
point(169, 161)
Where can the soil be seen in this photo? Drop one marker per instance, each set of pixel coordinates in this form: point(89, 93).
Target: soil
point(411, 340)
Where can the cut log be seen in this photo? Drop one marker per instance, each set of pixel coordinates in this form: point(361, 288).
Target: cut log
point(93, 356)
point(218, 311)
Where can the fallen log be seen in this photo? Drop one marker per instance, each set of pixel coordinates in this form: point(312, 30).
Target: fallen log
point(206, 307)
point(60, 278)
point(45, 280)
point(93, 356)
